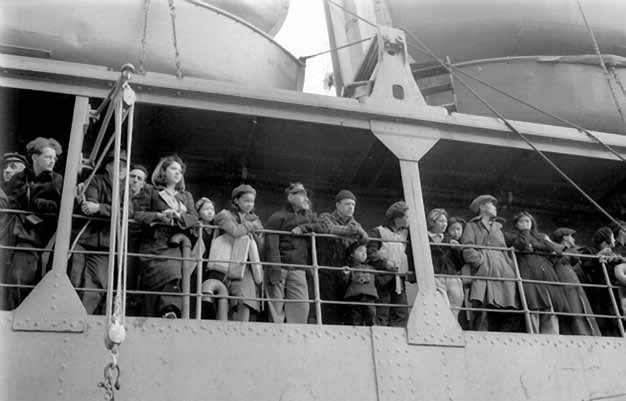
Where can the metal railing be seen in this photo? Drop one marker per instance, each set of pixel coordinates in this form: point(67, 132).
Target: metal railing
point(192, 262)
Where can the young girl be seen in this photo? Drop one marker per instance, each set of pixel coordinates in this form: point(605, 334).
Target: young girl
point(360, 286)
point(237, 222)
point(167, 210)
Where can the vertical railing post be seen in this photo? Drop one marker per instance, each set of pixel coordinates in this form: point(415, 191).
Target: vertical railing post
point(620, 324)
point(522, 295)
point(316, 280)
point(199, 272)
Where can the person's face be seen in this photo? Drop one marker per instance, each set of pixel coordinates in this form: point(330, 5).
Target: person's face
point(440, 224)
point(173, 173)
point(621, 236)
point(137, 180)
point(524, 223)
point(456, 231)
point(612, 241)
point(110, 169)
point(488, 209)
point(299, 200)
point(45, 160)
point(12, 168)
point(569, 241)
point(402, 221)
point(207, 212)
point(360, 254)
point(346, 207)
point(245, 202)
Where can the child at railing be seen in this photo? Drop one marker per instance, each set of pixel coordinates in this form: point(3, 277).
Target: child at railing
point(361, 286)
point(237, 222)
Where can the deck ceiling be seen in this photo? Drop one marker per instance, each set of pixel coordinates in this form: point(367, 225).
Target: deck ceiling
point(223, 149)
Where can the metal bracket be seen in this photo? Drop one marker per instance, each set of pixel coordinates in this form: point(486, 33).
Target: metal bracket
point(55, 306)
point(431, 322)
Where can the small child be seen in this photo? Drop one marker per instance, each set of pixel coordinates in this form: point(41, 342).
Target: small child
point(360, 286)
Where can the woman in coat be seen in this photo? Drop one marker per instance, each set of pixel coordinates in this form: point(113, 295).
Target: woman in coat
point(536, 266)
point(237, 222)
point(567, 269)
point(168, 210)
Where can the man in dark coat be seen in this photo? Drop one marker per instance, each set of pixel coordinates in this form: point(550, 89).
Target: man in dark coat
point(139, 194)
point(389, 250)
point(331, 252)
point(40, 193)
point(289, 282)
point(97, 203)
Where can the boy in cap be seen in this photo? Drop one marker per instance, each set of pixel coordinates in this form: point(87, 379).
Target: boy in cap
point(389, 250)
point(97, 202)
point(40, 192)
point(12, 163)
point(285, 281)
point(486, 230)
point(331, 251)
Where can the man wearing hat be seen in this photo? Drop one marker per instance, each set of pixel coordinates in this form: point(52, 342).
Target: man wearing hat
point(12, 163)
point(486, 230)
point(389, 250)
point(97, 203)
point(289, 282)
point(331, 252)
point(38, 192)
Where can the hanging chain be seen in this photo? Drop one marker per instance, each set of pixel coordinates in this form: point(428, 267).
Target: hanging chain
point(144, 42)
point(111, 380)
point(179, 69)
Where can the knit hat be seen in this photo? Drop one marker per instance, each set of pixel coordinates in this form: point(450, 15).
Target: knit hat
point(140, 168)
point(603, 234)
point(434, 214)
point(344, 194)
point(561, 232)
point(397, 209)
point(202, 201)
point(481, 200)
point(241, 190)
point(13, 157)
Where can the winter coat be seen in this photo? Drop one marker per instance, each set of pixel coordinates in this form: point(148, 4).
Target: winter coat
point(237, 225)
point(533, 266)
point(100, 190)
point(380, 261)
point(290, 249)
point(157, 235)
point(443, 258)
point(360, 283)
point(332, 251)
point(489, 263)
point(39, 194)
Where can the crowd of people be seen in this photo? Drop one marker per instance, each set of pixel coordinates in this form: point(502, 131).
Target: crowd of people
point(362, 276)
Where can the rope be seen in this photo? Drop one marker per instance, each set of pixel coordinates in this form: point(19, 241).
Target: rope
point(142, 59)
point(514, 130)
point(602, 64)
point(179, 69)
point(351, 13)
point(304, 58)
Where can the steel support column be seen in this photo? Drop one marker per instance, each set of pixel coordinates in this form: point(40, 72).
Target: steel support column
point(54, 304)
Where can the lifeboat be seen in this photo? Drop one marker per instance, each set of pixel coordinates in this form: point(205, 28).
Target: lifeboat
point(537, 50)
point(211, 42)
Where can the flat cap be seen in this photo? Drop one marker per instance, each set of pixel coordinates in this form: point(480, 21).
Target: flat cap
point(481, 200)
point(561, 232)
point(241, 190)
point(13, 157)
point(397, 209)
point(111, 156)
point(344, 194)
